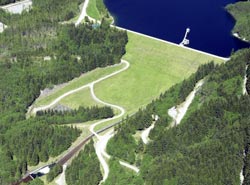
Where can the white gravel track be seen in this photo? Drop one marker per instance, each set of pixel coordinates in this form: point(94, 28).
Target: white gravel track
point(145, 133)
point(244, 92)
point(61, 180)
point(127, 165)
point(245, 83)
point(100, 145)
point(178, 112)
point(46, 107)
point(83, 13)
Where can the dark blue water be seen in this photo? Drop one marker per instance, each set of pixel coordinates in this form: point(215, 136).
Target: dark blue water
point(209, 22)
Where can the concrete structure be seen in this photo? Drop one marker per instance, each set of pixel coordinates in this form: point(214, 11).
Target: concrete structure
point(185, 41)
point(18, 7)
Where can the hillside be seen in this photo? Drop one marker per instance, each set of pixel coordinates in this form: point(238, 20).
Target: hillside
point(37, 51)
point(101, 74)
point(209, 145)
point(241, 13)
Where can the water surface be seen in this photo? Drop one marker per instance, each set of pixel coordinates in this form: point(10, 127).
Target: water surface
point(209, 22)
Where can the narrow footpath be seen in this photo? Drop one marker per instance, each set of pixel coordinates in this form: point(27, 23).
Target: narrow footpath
point(179, 111)
point(100, 145)
point(53, 103)
point(145, 133)
point(61, 180)
point(83, 13)
point(244, 92)
point(102, 140)
point(245, 83)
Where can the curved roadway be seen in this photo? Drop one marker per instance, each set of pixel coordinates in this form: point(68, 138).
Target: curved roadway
point(100, 145)
point(102, 140)
point(179, 111)
point(84, 13)
point(45, 107)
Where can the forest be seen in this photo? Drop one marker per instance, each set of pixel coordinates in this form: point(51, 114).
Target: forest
point(143, 118)
point(80, 115)
point(119, 174)
point(241, 12)
point(208, 146)
point(85, 168)
point(54, 172)
point(29, 38)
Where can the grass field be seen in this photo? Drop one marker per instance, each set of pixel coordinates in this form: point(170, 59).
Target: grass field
point(92, 10)
point(78, 82)
point(81, 98)
point(97, 10)
point(155, 66)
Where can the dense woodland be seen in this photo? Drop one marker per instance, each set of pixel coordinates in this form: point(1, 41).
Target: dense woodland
point(120, 175)
point(54, 172)
point(208, 146)
point(143, 118)
point(85, 168)
point(80, 115)
point(36, 181)
point(29, 38)
point(241, 12)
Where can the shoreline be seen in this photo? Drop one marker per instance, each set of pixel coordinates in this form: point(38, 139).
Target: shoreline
point(236, 35)
point(155, 38)
point(174, 44)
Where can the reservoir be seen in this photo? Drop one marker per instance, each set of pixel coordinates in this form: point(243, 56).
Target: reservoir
point(208, 20)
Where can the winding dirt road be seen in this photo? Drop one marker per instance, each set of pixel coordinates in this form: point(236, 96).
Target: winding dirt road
point(178, 112)
point(244, 92)
point(89, 85)
point(245, 83)
point(100, 145)
point(145, 133)
point(127, 165)
point(61, 180)
point(84, 13)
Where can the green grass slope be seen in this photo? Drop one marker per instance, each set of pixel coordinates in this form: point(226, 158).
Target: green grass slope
point(155, 66)
point(76, 83)
point(96, 9)
point(92, 10)
point(80, 98)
